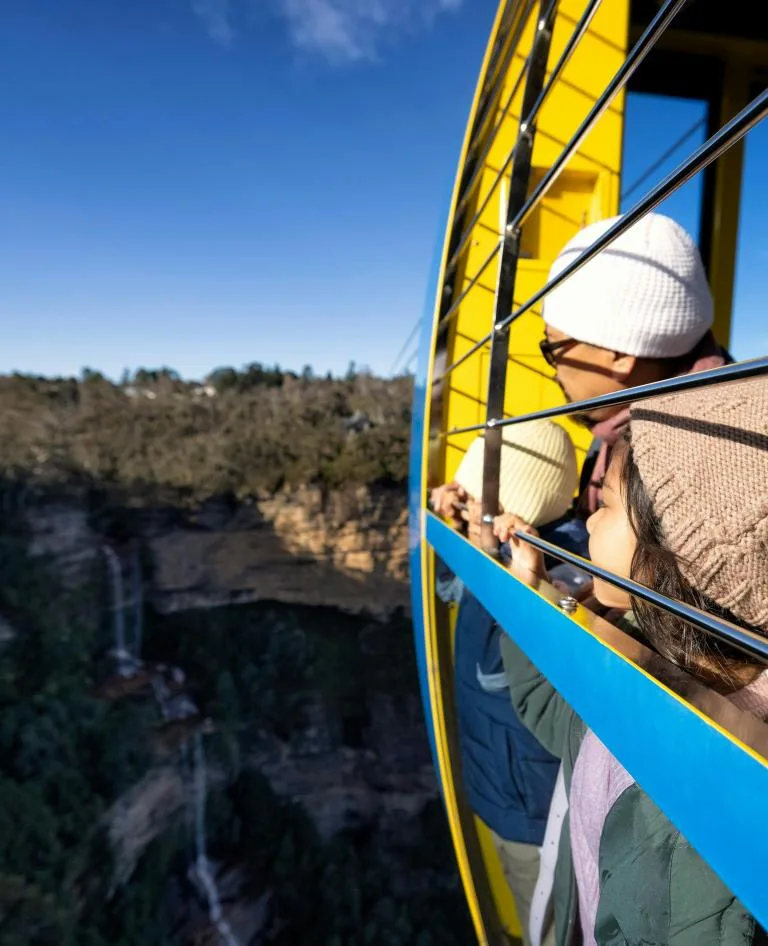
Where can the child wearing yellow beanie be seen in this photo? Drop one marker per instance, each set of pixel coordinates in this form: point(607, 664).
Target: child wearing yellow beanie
point(538, 476)
point(508, 777)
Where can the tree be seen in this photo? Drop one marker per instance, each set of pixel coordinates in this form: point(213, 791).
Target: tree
point(89, 376)
point(223, 379)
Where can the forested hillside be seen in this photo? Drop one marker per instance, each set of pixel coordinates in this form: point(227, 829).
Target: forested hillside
point(240, 432)
point(237, 775)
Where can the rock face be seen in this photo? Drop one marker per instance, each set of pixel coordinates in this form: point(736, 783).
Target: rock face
point(61, 530)
point(141, 814)
point(355, 758)
point(346, 550)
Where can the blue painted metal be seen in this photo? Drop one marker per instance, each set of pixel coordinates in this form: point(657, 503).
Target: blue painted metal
point(416, 496)
point(705, 783)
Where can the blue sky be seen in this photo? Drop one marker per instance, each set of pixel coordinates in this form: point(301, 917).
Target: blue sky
point(206, 182)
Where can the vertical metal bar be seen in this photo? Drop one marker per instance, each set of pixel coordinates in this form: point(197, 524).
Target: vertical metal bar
point(510, 253)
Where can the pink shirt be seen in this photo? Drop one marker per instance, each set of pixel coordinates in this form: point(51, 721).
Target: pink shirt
point(598, 781)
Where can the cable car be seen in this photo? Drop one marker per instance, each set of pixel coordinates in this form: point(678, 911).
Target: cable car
point(541, 158)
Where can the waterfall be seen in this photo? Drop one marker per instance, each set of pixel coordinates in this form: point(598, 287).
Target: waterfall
point(126, 664)
point(138, 603)
point(202, 864)
point(172, 706)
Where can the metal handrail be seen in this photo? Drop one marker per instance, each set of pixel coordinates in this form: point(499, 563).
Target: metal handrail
point(749, 642)
point(739, 371)
point(579, 30)
point(731, 132)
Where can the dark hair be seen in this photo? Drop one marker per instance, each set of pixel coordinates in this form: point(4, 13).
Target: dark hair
point(722, 667)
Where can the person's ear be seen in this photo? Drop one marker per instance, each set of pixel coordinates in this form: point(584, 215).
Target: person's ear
point(622, 366)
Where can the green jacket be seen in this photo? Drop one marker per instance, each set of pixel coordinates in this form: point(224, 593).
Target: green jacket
point(655, 890)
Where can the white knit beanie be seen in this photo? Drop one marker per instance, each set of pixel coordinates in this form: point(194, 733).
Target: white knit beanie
point(645, 294)
point(538, 475)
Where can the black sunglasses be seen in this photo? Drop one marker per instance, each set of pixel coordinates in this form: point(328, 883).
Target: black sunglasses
point(548, 349)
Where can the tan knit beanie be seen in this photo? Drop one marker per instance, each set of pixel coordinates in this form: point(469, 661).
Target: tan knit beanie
point(538, 475)
point(703, 459)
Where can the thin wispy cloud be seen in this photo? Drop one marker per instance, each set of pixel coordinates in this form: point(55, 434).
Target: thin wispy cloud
point(216, 16)
point(340, 31)
point(350, 30)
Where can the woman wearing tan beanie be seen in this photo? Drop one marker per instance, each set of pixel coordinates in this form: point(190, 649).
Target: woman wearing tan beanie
point(686, 513)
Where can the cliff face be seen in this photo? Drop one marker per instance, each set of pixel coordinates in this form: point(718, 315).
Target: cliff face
point(298, 758)
point(346, 550)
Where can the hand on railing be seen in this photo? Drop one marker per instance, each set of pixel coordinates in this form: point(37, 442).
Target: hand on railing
point(527, 562)
point(449, 501)
point(473, 516)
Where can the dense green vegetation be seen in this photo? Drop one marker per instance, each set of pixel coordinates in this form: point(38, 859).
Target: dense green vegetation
point(243, 433)
point(349, 891)
point(64, 757)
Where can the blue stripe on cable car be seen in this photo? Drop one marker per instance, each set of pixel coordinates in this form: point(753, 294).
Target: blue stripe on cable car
point(415, 491)
point(709, 786)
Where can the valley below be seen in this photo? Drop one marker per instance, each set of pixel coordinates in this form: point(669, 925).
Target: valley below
point(213, 710)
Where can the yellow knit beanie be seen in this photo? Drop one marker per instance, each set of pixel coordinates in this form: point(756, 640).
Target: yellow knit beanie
point(703, 458)
point(538, 475)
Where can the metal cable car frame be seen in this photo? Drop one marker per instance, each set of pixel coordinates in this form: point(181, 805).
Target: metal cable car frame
point(734, 739)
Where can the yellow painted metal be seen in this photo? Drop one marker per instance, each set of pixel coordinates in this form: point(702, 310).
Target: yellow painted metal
point(587, 190)
point(438, 671)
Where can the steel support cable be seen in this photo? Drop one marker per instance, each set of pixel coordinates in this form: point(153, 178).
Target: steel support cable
point(473, 281)
point(405, 345)
point(708, 152)
point(411, 360)
point(747, 641)
point(740, 371)
point(580, 29)
point(635, 57)
point(664, 157)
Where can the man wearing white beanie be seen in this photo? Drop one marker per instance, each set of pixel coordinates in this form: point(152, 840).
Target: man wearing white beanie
point(639, 311)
